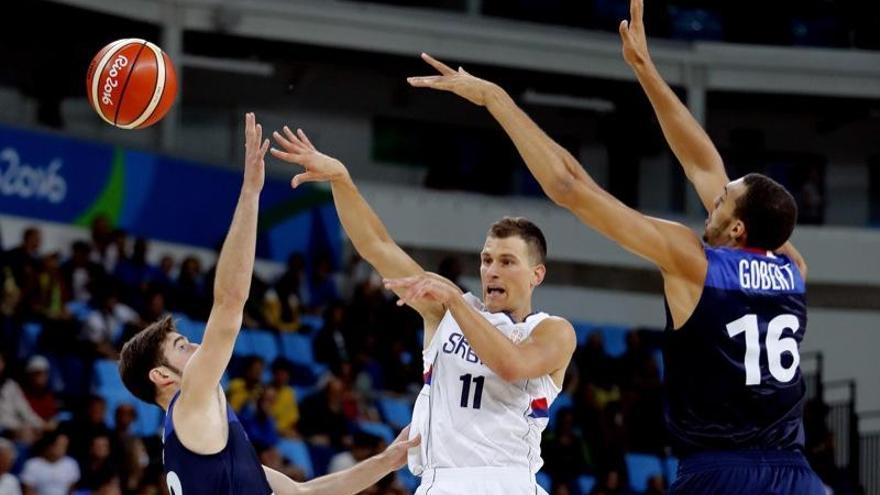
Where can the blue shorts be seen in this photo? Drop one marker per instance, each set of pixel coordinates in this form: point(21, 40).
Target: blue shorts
point(746, 473)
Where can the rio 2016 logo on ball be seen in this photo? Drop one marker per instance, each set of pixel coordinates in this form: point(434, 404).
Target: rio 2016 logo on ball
point(131, 83)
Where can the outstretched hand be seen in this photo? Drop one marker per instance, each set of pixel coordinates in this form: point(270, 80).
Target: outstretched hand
point(396, 452)
point(471, 88)
point(254, 153)
point(632, 32)
point(427, 287)
point(300, 151)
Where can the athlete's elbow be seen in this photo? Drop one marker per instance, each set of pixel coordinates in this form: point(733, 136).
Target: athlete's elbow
point(509, 372)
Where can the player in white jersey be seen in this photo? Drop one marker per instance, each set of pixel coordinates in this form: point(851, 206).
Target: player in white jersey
point(492, 367)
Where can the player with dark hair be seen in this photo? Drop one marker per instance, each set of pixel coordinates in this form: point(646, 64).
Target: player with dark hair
point(205, 448)
point(736, 311)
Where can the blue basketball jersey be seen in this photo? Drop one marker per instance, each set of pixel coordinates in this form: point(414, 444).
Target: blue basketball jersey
point(733, 380)
point(235, 469)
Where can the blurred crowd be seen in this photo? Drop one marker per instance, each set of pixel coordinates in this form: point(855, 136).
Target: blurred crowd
point(60, 313)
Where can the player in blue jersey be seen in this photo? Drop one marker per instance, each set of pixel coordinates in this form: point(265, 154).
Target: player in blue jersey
point(736, 312)
point(205, 448)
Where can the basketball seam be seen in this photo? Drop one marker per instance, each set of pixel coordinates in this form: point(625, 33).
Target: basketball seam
point(99, 69)
point(158, 89)
point(125, 84)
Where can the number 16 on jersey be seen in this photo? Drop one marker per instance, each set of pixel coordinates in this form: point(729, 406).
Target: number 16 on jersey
point(775, 344)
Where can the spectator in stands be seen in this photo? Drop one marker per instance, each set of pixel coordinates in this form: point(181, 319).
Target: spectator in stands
point(656, 486)
point(257, 420)
point(450, 267)
point(52, 472)
point(105, 324)
point(24, 260)
point(330, 344)
point(128, 449)
point(272, 459)
point(323, 417)
point(52, 293)
point(323, 286)
point(281, 314)
point(190, 297)
point(244, 390)
point(99, 467)
point(564, 450)
point(357, 272)
point(135, 273)
point(9, 484)
point(611, 483)
point(88, 422)
point(293, 280)
point(37, 390)
point(81, 275)
point(363, 446)
point(17, 418)
point(106, 251)
point(284, 409)
point(164, 278)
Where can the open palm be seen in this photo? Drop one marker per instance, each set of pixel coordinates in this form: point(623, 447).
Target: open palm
point(297, 149)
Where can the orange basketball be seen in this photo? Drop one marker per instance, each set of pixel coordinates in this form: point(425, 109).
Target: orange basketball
point(131, 83)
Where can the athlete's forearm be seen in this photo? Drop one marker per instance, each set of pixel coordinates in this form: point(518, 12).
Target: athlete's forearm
point(553, 166)
point(494, 348)
point(685, 136)
point(236, 263)
point(350, 481)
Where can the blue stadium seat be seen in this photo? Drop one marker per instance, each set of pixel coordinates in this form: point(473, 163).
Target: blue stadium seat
point(614, 337)
point(243, 345)
point(641, 468)
point(396, 412)
point(27, 345)
point(149, 419)
point(79, 309)
point(380, 430)
point(585, 484)
point(264, 345)
point(314, 321)
point(192, 330)
point(296, 452)
point(544, 481)
point(582, 330)
point(562, 401)
point(297, 348)
point(106, 376)
point(671, 469)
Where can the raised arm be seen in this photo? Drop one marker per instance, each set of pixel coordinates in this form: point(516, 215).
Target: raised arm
point(671, 246)
point(363, 226)
point(689, 142)
point(352, 480)
point(546, 351)
point(235, 267)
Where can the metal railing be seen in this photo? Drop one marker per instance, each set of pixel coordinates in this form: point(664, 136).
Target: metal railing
point(870, 453)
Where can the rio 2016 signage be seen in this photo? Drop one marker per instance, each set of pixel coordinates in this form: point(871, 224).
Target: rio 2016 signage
point(46, 176)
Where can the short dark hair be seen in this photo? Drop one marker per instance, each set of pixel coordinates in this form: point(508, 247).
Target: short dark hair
point(768, 211)
point(526, 230)
point(142, 353)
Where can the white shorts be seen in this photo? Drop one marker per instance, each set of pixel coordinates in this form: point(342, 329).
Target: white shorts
point(481, 480)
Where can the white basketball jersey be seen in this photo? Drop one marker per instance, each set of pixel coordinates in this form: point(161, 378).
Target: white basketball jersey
point(470, 417)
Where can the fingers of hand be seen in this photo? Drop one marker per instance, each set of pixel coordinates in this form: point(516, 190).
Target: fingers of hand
point(635, 10)
point(624, 29)
point(305, 139)
point(440, 66)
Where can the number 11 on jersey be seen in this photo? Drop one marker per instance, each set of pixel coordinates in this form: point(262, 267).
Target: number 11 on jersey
point(466, 389)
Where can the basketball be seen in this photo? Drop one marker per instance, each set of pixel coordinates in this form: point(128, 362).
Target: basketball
point(131, 83)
